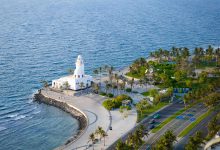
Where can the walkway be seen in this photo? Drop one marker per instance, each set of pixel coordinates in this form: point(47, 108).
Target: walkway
point(90, 104)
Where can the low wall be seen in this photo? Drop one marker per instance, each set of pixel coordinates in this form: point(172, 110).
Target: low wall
point(74, 112)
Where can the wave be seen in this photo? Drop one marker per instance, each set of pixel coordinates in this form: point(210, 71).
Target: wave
point(2, 128)
point(36, 112)
point(12, 116)
point(10, 112)
point(19, 117)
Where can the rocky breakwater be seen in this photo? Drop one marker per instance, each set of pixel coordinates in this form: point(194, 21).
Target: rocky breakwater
point(75, 112)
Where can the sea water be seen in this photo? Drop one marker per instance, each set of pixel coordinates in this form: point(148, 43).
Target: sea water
point(40, 39)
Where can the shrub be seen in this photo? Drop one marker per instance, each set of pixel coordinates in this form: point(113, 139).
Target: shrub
point(153, 92)
point(110, 95)
point(108, 104)
point(125, 107)
point(128, 90)
point(102, 93)
point(115, 102)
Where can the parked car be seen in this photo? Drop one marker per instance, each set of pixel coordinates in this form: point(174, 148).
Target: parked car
point(151, 126)
point(152, 121)
point(148, 147)
point(156, 116)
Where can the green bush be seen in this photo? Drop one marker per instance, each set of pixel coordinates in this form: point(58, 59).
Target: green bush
point(110, 95)
point(153, 92)
point(115, 102)
point(102, 93)
point(128, 90)
point(125, 107)
point(108, 104)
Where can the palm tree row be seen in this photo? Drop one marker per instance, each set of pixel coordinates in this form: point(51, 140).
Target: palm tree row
point(134, 140)
point(166, 141)
point(194, 142)
point(207, 94)
point(100, 133)
point(161, 54)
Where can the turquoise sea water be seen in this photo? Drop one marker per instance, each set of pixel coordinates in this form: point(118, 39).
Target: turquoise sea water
point(40, 39)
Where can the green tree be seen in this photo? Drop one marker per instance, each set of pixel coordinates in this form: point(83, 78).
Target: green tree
point(92, 139)
point(66, 85)
point(99, 131)
point(153, 92)
point(194, 142)
point(142, 105)
point(213, 126)
point(70, 71)
point(179, 75)
point(122, 146)
point(45, 83)
point(166, 141)
point(203, 77)
point(131, 82)
point(81, 84)
point(103, 134)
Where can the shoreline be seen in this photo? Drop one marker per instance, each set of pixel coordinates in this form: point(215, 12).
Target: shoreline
point(72, 110)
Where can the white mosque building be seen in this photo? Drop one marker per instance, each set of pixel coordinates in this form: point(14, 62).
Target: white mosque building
point(76, 81)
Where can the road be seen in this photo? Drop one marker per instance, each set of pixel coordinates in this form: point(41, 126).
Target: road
point(166, 112)
point(176, 125)
point(202, 126)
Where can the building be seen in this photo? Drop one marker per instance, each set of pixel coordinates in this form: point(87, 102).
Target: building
point(76, 81)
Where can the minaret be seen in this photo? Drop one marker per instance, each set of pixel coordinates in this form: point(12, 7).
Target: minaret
point(79, 71)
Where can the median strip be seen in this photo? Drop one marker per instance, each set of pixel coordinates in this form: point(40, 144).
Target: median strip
point(192, 125)
point(161, 125)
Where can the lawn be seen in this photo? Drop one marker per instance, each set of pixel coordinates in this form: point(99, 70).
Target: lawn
point(161, 125)
point(139, 74)
point(204, 64)
point(192, 125)
point(146, 93)
point(151, 110)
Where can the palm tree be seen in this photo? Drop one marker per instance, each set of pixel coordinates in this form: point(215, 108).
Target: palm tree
point(185, 52)
point(120, 145)
point(137, 139)
point(213, 126)
point(117, 80)
point(81, 86)
point(140, 108)
point(92, 139)
point(217, 54)
point(124, 83)
point(121, 87)
point(95, 71)
point(95, 87)
point(45, 83)
point(103, 134)
point(66, 85)
point(110, 72)
point(100, 73)
point(166, 141)
point(70, 71)
point(194, 142)
point(106, 86)
point(131, 82)
point(141, 82)
point(99, 132)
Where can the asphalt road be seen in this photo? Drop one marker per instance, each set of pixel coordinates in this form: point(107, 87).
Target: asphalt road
point(202, 126)
point(176, 125)
point(164, 113)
